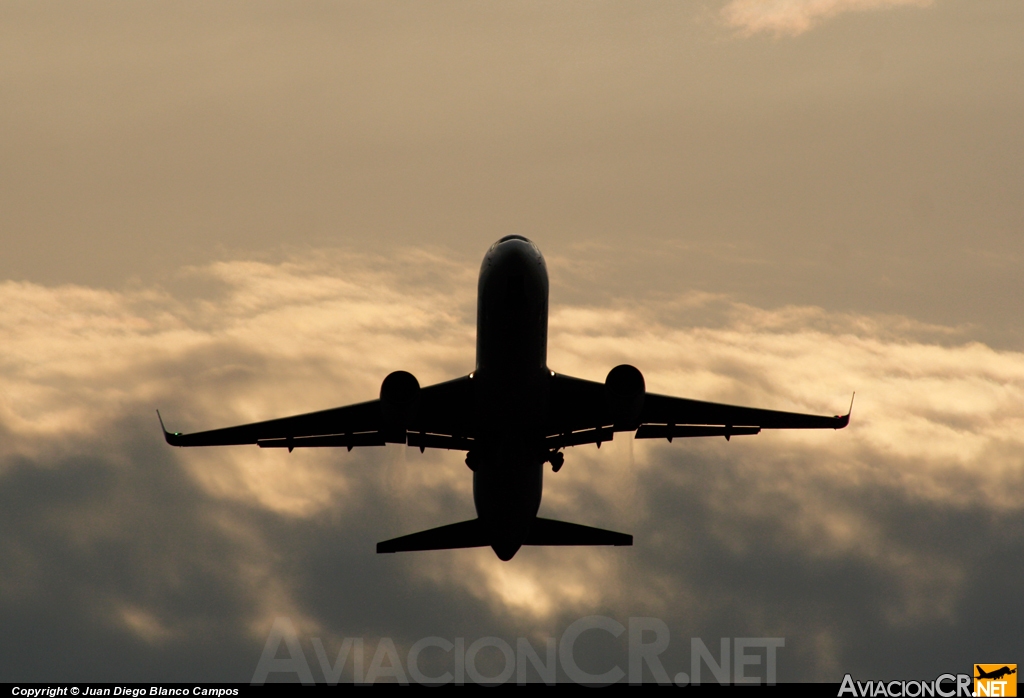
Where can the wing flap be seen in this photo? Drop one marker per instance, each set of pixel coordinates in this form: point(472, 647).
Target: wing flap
point(662, 409)
point(349, 441)
point(452, 443)
point(671, 431)
point(578, 438)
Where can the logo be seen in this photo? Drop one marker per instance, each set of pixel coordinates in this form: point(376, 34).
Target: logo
point(946, 686)
point(492, 660)
point(995, 680)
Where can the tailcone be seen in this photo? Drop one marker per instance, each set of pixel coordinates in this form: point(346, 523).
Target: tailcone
point(505, 551)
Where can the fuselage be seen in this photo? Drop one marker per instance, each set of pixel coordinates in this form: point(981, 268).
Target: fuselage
point(511, 380)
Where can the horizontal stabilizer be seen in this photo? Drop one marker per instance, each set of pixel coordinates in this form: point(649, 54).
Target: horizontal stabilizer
point(551, 532)
point(465, 534)
point(471, 534)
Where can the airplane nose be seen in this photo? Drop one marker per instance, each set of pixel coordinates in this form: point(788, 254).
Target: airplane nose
point(517, 255)
point(515, 247)
point(515, 237)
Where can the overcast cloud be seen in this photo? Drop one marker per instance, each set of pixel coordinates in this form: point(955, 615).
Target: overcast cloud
point(240, 210)
point(793, 17)
point(126, 559)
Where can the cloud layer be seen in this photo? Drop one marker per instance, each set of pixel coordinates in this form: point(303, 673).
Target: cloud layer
point(793, 17)
point(886, 548)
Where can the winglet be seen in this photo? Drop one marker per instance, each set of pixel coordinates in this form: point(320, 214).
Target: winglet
point(845, 419)
point(172, 439)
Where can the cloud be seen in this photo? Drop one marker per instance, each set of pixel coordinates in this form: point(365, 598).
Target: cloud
point(793, 17)
point(884, 548)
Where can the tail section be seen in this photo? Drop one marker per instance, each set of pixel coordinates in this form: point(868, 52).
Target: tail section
point(472, 534)
point(465, 534)
point(551, 532)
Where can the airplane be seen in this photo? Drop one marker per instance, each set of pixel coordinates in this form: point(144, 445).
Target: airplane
point(511, 415)
point(995, 673)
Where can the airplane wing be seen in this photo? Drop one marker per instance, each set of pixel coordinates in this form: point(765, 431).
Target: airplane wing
point(579, 412)
point(582, 411)
point(442, 417)
point(668, 417)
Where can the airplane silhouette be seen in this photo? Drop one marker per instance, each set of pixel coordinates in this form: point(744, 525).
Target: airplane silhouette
point(511, 415)
point(995, 673)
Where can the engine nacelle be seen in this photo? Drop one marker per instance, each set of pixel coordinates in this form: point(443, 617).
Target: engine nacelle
point(399, 394)
point(625, 389)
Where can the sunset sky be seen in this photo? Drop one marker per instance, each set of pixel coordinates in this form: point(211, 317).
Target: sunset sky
point(236, 211)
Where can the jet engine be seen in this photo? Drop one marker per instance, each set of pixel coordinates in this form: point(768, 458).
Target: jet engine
point(399, 394)
point(625, 389)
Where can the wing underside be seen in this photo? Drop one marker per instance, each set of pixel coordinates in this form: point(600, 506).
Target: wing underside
point(440, 418)
point(578, 412)
point(581, 412)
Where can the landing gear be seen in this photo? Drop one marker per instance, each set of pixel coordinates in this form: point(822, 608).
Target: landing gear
point(556, 459)
point(474, 460)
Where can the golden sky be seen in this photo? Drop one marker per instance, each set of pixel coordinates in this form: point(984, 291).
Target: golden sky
point(235, 211)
